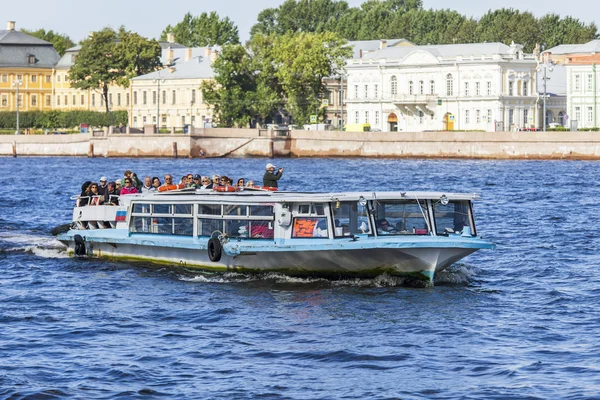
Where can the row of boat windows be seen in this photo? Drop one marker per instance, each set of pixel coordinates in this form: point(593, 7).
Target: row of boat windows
point(203, 209)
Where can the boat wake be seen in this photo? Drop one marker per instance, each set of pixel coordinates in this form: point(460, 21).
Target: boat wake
point(32, 243)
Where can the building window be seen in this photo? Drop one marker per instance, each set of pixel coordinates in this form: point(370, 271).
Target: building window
point(154, 119)
point(511, 116)
point(119, 99)
point(356, 91)
point(4, 78)
point(590, 83)
point(74, 100)
point(48, 79)
point(489, 88)
point(477, 88)
point(154, 97)
point(577, 114)
point(590, 114)
point(478, 116)
point(525, 89)
point(82, 100)
point(135, 98)
point(174, 97)
point(449, 85)
point(58, 78)
point(4, 100)
point(511, 86)
point(31, 59)
point(366, 117)
point(33, 78)
point(421, 117)
point(110, 102)
point(356, 117)
point(20, 78)
point(410, 87)
point(58, 100)
point(164, 97)
point(561, 118)
point(366, 91)
point(577, 84)
point(467, 119)
point(376, 118)
point(183, 120)
point(144, 98)
point(93, 100)
point(431, 87)
point(33, 100)
point(489, 115)
point(48, 100)
point(376, 91)
point(525, 117)
point(421, 87)
point(127, 99)
point(135, 121)
point(193, 96)
point(101, 101)
point(20, 101)
point(144, 119)
point(66, 100)
point(466, 88)
point(393, 85)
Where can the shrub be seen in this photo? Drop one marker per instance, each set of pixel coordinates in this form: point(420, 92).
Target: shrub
point(60, 119)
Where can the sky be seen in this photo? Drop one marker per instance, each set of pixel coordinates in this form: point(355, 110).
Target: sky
point(77, 18)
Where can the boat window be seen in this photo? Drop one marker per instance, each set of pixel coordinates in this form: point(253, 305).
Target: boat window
point(161, 209)
point(401, 217)
point(234, 209)
point(453, 217)
point(310, 227)
point(261, 210)
point(261, 229)
point(210, 209)
point(311, 209)
point(183, 209)
point(141, 208)
point(350, 218)
point(162, 225)
point(206, 226)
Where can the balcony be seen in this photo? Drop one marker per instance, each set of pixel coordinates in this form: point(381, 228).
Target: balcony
point(414, 99)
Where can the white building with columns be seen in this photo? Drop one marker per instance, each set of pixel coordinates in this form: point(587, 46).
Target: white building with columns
point(480, 86)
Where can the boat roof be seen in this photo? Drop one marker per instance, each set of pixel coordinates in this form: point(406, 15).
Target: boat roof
point(251, 196)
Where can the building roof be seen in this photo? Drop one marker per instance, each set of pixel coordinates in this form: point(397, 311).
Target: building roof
point(196, 68)
point(444, 50)
point(17, 47)
point(361, 47)
point(592, 46)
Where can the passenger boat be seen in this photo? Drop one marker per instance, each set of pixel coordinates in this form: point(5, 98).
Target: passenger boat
point(334, 235)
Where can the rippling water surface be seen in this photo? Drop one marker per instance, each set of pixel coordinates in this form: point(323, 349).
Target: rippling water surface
point(521, 321)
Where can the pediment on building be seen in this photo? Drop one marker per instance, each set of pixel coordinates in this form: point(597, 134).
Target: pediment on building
point(420, 57)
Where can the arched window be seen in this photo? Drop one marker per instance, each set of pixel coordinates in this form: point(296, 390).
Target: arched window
point(431, 87)
point(449, 85)
point(393, 85)
point(421, 87)
point(410, 87)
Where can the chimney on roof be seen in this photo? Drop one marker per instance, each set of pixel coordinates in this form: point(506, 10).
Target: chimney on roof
point(170, 37)
point(207, 52)
point(382, 44)
point(213, 56)
point(10, 26)
point(188, 54)
point(170, 55)
point(360, 54)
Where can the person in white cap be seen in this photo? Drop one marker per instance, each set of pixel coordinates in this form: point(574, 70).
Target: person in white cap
point(270, 178)
point(103, 186)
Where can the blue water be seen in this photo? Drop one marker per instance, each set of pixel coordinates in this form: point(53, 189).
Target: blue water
point(521, 321)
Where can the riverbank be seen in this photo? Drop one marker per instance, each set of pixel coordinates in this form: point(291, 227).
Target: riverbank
point(223, 142)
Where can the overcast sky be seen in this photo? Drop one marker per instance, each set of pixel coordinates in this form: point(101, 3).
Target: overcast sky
point(150, 17)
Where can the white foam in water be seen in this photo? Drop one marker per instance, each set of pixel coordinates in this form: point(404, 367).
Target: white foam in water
point(41, 246)
point(457, 274)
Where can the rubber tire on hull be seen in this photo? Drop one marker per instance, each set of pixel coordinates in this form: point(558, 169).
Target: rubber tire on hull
point(80, 249)
point(214, 249)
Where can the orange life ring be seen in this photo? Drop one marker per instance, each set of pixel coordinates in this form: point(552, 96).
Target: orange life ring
point(269, 188)
point(226, 188)
point(165, 188)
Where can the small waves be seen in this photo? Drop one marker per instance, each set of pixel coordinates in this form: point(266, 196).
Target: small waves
point(32, 243)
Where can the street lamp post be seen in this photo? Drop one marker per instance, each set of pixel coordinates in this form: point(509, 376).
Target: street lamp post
point(342, 101)
point(547, 67)
point(158, 81)
point(16, 84)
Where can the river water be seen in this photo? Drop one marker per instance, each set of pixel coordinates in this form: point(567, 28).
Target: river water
point(521, 321)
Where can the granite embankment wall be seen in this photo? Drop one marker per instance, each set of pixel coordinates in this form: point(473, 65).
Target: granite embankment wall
point(254, 143)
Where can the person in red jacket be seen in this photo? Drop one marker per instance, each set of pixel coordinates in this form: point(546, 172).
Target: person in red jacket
point(129, 188)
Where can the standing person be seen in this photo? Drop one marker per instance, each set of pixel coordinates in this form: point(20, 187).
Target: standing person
point(147, 188)
point(84, 197)
point(129, 188)
point(103, 187)
point(270, 178)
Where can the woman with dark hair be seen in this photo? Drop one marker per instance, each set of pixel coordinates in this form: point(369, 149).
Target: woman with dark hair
point(240, 182)
point(156, 182)
point(84, 197)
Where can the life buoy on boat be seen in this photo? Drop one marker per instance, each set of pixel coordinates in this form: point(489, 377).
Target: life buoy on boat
point(269, 188)
point(225, 188)
point(79, 245)
point(165, 188)
point(214, 249)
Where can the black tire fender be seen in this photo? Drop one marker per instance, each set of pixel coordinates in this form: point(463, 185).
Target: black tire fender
point(80, 249)
point(214, 249)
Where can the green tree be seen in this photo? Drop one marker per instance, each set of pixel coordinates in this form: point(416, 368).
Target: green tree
point(203, 30)
point(508, 25)
point(108, 58)
point(568, 30)
point(302, 61)
point(61, 42)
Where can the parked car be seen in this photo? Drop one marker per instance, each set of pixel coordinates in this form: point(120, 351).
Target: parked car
point(554, 125)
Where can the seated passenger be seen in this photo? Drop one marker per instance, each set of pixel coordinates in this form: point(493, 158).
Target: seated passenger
point(240, 182)
point(168, 180)
point(128, 189)
point(156, 182)
point(205, 183)
point(250, 184)
point(112, 196)
point(95, 198)
point(147, 187)
point(384, 228)
point(84, 197)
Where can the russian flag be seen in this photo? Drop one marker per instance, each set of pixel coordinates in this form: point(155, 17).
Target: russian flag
point(121, 216)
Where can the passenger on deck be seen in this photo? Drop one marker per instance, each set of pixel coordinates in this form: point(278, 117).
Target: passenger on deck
point(84, 197)
point(126, 175)
point(240, 182)
point(205, 183)
point(147, 188)
point(197, 181)
point(103, 186)
point(384, 227)
point(250, 184)
point(224, 181)
point(112, 196)
point(95, 198)
point(128, 189)
point(118, 186)
point(270, 178)
point(168, 180)
point(156, 182)
point(216, 180)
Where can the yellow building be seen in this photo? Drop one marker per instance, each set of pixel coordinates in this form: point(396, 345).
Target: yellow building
point(26, 65)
